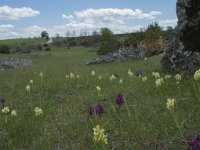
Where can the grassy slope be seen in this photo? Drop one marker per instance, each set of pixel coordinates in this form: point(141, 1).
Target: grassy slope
point(13, 43)
point(143, 123)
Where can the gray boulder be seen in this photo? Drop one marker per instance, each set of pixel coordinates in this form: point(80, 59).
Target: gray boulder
point(12, 63)
point(179, 53)
point(188, 13)
point(123, 54)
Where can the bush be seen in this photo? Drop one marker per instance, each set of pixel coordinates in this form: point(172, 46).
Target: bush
point(5, 49)
point(154, 46)
point(106, 48)
point(109, 42)
point(44, 34)
point(47, 49)
point(39, 47)
point(46, 45)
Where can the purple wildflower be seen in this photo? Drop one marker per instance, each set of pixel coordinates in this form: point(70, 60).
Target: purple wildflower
point(194, 144)
point(90, 111)
point(2, 101)
point(99, 109)
point(138, 73)
point(119, 99)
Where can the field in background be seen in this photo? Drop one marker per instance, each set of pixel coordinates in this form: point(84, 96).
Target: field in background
point(143, 122)
point(13, 43)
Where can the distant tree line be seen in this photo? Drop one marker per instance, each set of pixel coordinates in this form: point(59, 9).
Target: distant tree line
point(154, 38)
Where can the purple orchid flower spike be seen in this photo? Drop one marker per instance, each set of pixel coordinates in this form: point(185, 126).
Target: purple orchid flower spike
point(99, 109)
point(194, 144)
point(2, 101)
point(90, 111)
point(138, 73)
point(119, 99)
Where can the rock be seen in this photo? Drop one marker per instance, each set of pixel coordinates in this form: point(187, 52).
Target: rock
point(182, 51)
point(123, 54)
point(176, 59)
point(188, 13)
point(12, 63)
point(26, 50)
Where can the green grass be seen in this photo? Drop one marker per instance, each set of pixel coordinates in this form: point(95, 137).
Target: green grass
point(13, 43)
point(143, 123)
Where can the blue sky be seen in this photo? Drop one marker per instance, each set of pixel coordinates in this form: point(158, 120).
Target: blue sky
point(27, 18)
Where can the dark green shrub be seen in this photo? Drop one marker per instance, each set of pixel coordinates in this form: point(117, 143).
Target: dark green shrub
point(48, 49)
point(5, 49)
point(108, 43)
point(39, 47)
point(108, 47)
point(46, 45)
point(44, 34)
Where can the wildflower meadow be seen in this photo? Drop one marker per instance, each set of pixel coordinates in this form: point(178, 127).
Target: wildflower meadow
point(59, 103)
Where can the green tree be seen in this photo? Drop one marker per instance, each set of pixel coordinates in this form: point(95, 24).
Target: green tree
point(4, 49)
point(153, 39)
point(108, 42)
point(168, 32)
point(153, 32)
point(44, 34)
point(134, 38)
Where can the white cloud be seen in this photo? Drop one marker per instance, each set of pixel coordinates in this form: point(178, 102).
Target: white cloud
point(113, 18)
point(10, 35)
point(33, 31)
point(118, 20)
point(6, 27)
point(8, 13)
point(111, 14)
point(168, 22)
point(70, 17)
point(80, 26)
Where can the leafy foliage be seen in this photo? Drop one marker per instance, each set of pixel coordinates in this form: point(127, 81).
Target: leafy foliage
point(44, 34)
point(108, 43)
point(5, 49)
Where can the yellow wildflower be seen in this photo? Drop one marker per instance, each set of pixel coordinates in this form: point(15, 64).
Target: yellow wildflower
point(99, 135)
point(177, 77)
point(38, 111)
point(41, 74)
point(71, 75)
point(197, 75)
point(13, 113)
point(167, 76)
point(5, 110)
point(100, 77)
point(98, 88)
point(144, 79)
point(28, 88)
point(121, 81)
point(66, 76)
point(130, 73)
point(159, 82)
point(93, 73)
point(170, 103)
point(112, 77)
point(156, 75)
point(31, 81)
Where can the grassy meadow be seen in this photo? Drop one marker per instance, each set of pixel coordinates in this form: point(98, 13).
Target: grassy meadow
point(16, 42)
point(142, 122)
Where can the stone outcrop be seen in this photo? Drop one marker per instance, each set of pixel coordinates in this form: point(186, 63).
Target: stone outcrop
point(181, 52)
point(176, 59)
point(123, 54)
point(12, 63)
point(188, 13)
